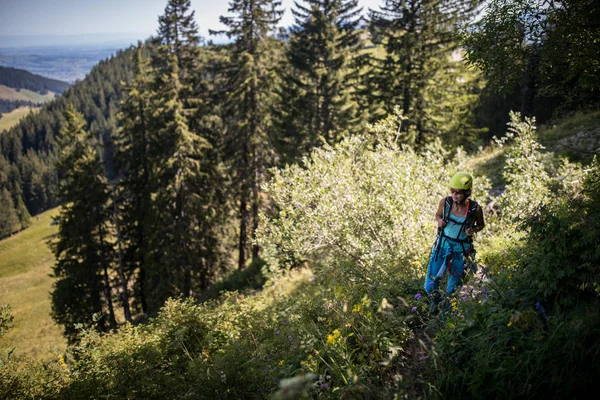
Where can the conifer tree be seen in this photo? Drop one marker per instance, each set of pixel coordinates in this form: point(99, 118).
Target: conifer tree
point(132, 209)
point(419, 38)
point(11, 198)
point(178, 36)
point(320, 78)
point(83, 252)
point(9, 221)
point(246, 109)
point(180, 254)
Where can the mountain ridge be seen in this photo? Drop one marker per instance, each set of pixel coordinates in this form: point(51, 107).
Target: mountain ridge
point(22, 79)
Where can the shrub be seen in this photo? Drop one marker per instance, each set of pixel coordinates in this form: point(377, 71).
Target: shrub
point(530, 333)
point(364, 208)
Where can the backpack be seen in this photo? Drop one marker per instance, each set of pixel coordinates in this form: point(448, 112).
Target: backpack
point(467, 223)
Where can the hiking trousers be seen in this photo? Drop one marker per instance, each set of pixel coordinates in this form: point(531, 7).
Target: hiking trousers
point(448, 259)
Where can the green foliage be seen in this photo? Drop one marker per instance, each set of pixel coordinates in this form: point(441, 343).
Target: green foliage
point(25, 379)
point(247, 279)
point(30, 147)
point(418, 72)
point(6, 319)
point(526, 329)
point(83, 253)
point(525, 171)
point(21, 79)
point(243, 346)
point(547, 49)
point(318, 91)
point(364, 210)
point(9, 222)
point(248, 99)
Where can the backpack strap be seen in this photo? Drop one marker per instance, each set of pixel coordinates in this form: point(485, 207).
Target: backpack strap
point(471, 213)
point(447, 208)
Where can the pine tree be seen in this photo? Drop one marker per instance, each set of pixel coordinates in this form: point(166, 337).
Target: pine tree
point(180, 255)
point(247, 106)
point(15, 208)
point(419, 38)
point(320, 78)
point(9, 221)
point(178, 37)
point(83, 253)
point(132, 209)
point(450, 104)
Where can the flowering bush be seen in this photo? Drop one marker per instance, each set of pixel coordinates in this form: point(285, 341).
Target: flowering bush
point(364, 208)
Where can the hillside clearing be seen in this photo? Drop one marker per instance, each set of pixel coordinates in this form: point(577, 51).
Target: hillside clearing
point(25, 283)
point(9, 93)
point(12, 118)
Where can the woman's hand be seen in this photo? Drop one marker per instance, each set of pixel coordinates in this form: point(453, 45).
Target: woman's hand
point(441, 223)
point(469, 231)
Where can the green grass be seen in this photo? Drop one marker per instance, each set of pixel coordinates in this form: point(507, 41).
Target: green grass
point(490, 163)
point(569, 126)
point(25, 283)
point(576, 137)
point(9, 93)
point(36, 97)
point(12, 118)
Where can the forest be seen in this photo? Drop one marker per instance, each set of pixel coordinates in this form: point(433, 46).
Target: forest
point(21, 79)
point(254, 220)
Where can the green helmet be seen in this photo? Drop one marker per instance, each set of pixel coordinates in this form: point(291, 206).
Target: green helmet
point(461, 180)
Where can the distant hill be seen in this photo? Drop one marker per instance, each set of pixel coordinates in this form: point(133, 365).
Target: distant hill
point(21, 79)
point(65, 63)
point(28, 149)
point(15, 95)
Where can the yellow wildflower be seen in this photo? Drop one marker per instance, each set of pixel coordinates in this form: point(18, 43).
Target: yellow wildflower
point(509, 324)
point(61, 361)
point(356, 308)
point(333, 337)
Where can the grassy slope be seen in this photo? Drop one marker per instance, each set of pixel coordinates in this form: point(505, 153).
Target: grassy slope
point(577, 137)
point(9, 93)
point(12, 118)
point(25, 265)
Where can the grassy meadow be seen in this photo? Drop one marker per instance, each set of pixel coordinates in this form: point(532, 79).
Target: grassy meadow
point(12, 118)
point(9, 93)
point(25, 284)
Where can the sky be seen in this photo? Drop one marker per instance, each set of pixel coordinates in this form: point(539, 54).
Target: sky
point(111, 19)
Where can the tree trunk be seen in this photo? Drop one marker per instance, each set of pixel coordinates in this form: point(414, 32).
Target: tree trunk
point(255, 210)
point(107, 289)
point(124, 281)
point(243, 242)
point(143, 202)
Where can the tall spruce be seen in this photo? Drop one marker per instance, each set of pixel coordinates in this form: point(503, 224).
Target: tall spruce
point(419, 37)
point(132, 212)
point(82, 291)
point(181, 239)
point(320, 76)
point(13, 213)
point(9, 220)
point(250, 77)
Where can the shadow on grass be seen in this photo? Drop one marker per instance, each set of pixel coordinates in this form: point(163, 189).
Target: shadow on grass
point(250, 278)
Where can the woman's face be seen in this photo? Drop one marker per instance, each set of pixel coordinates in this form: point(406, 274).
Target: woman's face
point(458, 195)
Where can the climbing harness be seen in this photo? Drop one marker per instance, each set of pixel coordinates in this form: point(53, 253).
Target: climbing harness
point(468, 222)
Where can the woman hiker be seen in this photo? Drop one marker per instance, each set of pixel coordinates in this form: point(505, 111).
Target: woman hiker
point(458, 218)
